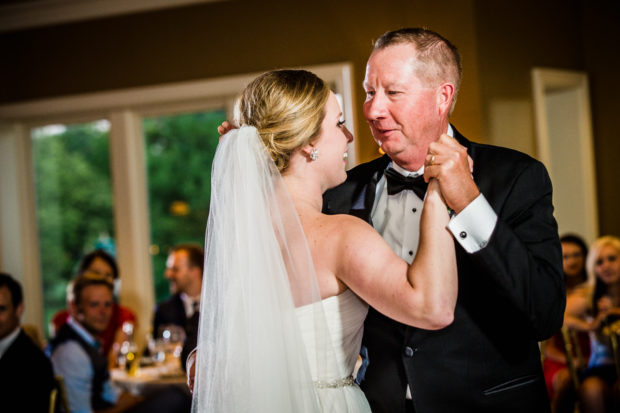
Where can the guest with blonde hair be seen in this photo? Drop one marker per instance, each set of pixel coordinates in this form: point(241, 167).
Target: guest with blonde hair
point(599, 391)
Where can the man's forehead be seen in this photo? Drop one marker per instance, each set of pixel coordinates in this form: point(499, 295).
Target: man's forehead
point(176, 258)
point(96, 291)
point(390, 66)
point(5, 296)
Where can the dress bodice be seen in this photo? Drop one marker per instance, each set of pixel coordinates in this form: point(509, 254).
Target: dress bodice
point(345, 314)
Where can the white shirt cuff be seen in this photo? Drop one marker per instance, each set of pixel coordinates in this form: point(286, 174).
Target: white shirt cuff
point(473, 226)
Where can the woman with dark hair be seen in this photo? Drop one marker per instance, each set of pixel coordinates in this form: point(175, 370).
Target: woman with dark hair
point(102, 263)
point(557, 373)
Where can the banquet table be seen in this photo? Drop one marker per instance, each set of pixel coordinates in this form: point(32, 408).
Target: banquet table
point(147, 380)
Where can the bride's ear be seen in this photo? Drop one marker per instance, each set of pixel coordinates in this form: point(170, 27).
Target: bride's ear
point(310, 152)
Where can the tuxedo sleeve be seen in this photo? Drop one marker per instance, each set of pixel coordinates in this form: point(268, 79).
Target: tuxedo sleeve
point(522, 261)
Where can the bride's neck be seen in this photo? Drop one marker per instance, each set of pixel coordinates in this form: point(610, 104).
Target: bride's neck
point(305, 193)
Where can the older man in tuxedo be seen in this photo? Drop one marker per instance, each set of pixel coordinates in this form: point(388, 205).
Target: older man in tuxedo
point(511, 291)
point(26, 378)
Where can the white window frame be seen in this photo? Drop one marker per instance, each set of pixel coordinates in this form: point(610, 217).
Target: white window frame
point(124, 109)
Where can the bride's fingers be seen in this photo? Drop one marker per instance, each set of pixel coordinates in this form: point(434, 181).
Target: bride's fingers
point(225, 127)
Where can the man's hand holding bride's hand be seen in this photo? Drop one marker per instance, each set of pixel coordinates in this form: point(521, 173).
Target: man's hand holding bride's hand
point(448, 162)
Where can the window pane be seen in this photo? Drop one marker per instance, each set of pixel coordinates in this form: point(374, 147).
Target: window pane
point(73, 201)
point(180, 151)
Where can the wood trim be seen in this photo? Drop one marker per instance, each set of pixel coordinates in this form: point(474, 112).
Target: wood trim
point(31, 14)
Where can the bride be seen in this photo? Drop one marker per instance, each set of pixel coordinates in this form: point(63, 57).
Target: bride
point(286, 288)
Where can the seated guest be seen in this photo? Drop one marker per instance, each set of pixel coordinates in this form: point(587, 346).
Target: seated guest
point(102, 263)
point(184, 268)
point(76, 351)
point(557, 374)
point(599, 389)
point(26, 377)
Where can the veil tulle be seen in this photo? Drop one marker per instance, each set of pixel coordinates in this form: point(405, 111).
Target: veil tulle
point(258, 269)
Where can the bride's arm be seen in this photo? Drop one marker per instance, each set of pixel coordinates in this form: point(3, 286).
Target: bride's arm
point(422, 294)
point(434, 271)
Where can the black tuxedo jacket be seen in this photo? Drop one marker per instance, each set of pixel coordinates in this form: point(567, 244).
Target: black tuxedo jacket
point(26, 377)
point(511, 295)
point(172, 311)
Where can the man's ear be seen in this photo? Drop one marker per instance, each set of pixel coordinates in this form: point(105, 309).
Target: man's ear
point(75, 311)
point(197, 271)
point(445, 93)
point(20, 310)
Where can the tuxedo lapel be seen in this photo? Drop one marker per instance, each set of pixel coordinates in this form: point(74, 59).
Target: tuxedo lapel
point(356, 196)
point(362, 205)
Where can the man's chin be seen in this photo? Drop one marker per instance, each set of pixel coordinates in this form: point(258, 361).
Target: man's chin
point(391, 149)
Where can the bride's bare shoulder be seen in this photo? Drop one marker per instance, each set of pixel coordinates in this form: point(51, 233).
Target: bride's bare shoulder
point(347, 226)
point(347, 220)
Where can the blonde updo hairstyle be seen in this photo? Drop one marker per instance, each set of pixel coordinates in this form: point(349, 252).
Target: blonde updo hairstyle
point(287, 108)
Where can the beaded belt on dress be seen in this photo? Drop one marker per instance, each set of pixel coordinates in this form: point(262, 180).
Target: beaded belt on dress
point(334, 384)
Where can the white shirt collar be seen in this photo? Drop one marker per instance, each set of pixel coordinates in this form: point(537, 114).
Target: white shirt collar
point(82, 332)
point(450, 131)
point(6, 342)
point(405, 172)
point(188, 304)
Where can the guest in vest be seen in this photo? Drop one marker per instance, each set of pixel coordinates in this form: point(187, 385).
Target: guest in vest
point(26, 378)
point(184, 268)
point(76, 351)
point(104, 264)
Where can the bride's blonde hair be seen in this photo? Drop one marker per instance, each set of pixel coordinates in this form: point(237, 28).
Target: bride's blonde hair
point(287, 108)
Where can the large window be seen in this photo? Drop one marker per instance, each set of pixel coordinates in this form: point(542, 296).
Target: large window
point(73, 201)
point(179, 151)
point(125, 170)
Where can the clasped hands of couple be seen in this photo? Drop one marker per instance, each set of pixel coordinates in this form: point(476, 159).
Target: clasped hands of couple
point(446, 160)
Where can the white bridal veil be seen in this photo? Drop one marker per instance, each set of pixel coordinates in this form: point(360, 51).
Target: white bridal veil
point(251, 357)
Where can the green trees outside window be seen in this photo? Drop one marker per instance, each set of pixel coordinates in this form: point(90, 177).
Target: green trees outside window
point(73, 201)
point(74, 197)
point(179, 154)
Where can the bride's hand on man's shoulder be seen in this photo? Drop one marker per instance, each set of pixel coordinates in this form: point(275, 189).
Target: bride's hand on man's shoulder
point(224, 128)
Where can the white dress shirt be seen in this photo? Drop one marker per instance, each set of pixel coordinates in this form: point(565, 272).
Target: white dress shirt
point(190, 304)
point(397, 218)
point(73, 363)
point(6, 342)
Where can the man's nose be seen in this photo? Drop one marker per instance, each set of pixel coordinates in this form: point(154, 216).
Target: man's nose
point(374, 107)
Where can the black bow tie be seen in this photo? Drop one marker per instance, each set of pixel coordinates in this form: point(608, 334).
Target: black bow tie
point(396, 183)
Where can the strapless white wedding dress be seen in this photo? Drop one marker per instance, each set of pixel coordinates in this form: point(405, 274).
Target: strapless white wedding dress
point(345, 314)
